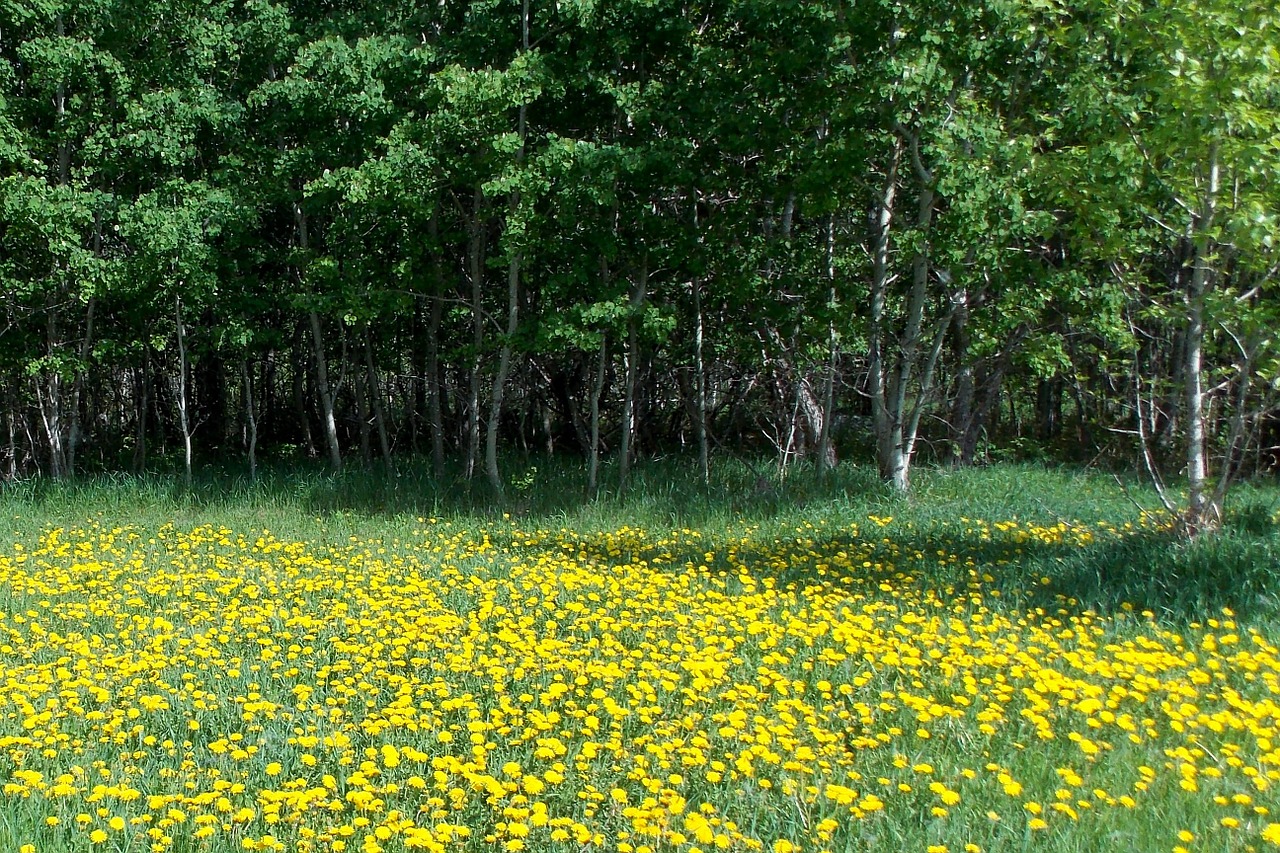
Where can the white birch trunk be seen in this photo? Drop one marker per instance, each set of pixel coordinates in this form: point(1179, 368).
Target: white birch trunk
point(638, 295)
point(183, 421)
point(251, 421)
point(1200, 511)
point(886, 446)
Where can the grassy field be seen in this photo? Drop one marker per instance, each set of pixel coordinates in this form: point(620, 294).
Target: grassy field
point(1014, 658)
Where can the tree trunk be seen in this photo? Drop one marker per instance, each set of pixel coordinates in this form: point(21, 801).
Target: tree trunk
point(513, 296)
point(77, 388)
point(700, 387)
point(158, 414)
point(142, 391)
point(12, 466)
point(1200, 511)
point(299, 384)
point(638, 295)
point(1193, 388)
point(1238, 436)
point(326, 392)
point(181, 393)
point(51, 403)
point(962, 407)
point(597, 388)
point(362, 394)
point(475, 264)
point(1049, 409)
point(375, 400)
point(11, 455)
point(826, 451)
point(267, 404)
point(50, 400)
point(513, 316)
point(888, 445)
point(500, 380)
point(904, 426)
point(251, 420)
point(434, 389)
point(897, 410)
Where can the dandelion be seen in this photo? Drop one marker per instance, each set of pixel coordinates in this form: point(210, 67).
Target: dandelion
point(461, 679)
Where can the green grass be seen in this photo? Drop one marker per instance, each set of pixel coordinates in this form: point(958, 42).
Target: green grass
point(660, 491)
point(1176, 579)
point(1063, 560)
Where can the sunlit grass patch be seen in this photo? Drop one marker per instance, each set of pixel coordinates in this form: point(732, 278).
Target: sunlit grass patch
point(810, 686)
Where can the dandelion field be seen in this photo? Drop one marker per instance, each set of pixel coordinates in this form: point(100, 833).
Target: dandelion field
point(841, 681)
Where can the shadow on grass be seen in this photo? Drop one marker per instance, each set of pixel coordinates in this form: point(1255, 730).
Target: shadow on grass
point(1176, 580)
point(660, 491)
point(1179, 581)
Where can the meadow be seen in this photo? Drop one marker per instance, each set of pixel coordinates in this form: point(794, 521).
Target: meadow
point(1012, 659)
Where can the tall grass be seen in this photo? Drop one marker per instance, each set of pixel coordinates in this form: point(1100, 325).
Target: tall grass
point(952, 648)
point(1156, 571)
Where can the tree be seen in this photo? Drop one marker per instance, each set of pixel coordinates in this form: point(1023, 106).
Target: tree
point(1196, 111)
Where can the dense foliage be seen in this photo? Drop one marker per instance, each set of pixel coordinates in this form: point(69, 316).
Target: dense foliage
point(611, 228)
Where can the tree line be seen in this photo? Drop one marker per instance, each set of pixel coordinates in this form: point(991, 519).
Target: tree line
point(427, 232)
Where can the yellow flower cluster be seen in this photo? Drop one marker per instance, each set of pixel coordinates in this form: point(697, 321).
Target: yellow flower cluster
point(505, 689)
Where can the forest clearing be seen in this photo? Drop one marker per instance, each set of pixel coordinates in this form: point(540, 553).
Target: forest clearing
point(851, 675)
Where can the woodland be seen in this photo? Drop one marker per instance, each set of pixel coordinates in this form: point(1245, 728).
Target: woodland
point(455, 233)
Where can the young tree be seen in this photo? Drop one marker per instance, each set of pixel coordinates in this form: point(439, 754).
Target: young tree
point(1187, 95)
